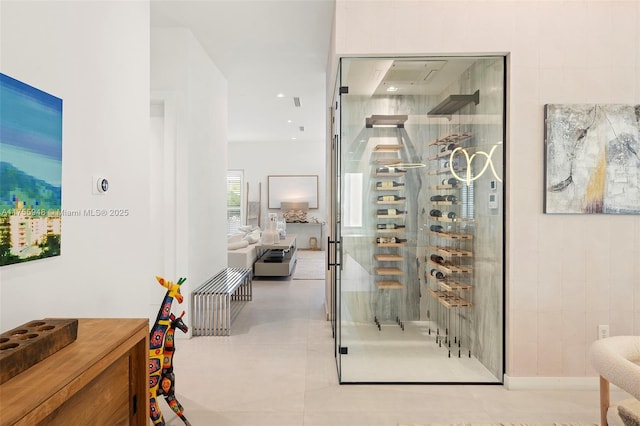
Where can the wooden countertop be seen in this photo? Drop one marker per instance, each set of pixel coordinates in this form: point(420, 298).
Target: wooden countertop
point(38, 391)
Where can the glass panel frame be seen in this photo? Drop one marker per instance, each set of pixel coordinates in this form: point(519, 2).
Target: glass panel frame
point(422, 280)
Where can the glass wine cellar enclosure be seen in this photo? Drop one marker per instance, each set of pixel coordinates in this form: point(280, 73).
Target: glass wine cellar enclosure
point(416, 251)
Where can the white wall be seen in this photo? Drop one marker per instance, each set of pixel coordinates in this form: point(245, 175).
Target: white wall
point(565, 274)
point(259, 160)
point(95, 56)
point(183, 74)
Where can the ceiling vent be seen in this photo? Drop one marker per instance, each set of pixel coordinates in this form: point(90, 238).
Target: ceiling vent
point(296, 101)
point(302, 128)
point(412, 71)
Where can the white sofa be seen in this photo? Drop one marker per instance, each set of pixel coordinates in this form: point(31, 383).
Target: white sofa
point(617, 360)
point(241, 248)
point(243, 257)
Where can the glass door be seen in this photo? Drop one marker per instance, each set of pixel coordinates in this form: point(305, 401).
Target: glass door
point(334, 246)
point(419, 230)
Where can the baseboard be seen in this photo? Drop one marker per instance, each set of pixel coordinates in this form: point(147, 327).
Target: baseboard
point(551, 383)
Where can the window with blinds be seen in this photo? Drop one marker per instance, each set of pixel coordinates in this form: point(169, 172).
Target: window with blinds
point(235, 214)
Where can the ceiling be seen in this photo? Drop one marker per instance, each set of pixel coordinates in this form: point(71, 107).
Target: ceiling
point(263, 48)
point(270, 47)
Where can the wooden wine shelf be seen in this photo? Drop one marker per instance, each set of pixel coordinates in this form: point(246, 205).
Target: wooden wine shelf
point(387, 148)
point(388, 284)
point(449, 284)
point(390, 244)
point(389, 174)
point(452, 235)
point(389, 271)
point(449, 299)
point(443, 187)
point(440, 155)
point(445, 171)
point(451, 252)
point(386, 216)
point(388, 257)
point(451, 269)
point(397, 188)
point(446, 219)
point(390, 231)
point(391, 202)
point(452, 138)
point(444, 203)
point(443, 219)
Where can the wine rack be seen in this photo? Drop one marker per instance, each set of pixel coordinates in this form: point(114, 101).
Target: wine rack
point(449, 259)
point(390, 215)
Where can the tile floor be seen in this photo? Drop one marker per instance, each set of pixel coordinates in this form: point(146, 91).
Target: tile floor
point(277, 368)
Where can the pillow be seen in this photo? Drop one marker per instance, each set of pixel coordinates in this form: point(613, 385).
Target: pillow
point(234, 238)
point(252, 237)
point(245, 229)
point(629, 411)
point(237, 245)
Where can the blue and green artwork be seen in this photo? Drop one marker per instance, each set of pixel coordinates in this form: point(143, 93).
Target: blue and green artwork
point(30, 172)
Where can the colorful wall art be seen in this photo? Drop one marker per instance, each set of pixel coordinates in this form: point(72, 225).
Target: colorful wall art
point(592, 159)
point(30, 172)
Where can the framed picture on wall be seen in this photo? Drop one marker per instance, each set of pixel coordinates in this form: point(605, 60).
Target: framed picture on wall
point(292, 189)
point(592, 158)
point(30, 172)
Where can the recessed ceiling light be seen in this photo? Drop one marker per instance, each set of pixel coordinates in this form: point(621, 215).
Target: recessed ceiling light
point(293, 138)
point(280, 95)
point(289, 121)
point(392, 89)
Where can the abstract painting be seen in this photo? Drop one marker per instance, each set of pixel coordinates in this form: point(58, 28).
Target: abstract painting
point(30, 172)
point(592, 159)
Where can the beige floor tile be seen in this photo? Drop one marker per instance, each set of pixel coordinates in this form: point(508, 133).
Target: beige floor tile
point(278, 368)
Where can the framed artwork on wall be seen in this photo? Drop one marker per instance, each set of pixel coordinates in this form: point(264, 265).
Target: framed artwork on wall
point(592, 158)
point(292, 188)
point(30, 172)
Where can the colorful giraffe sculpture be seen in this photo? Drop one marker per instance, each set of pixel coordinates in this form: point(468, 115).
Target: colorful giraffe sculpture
point(167, 384)
point(156, 345)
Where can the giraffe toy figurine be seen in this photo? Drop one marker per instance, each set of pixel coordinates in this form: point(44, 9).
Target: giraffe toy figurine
point(168, 381)
point(156, 345)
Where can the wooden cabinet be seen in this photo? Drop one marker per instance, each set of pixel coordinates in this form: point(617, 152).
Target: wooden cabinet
point(100, 379)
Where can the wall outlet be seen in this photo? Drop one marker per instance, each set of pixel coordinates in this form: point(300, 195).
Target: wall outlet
point(603, 331)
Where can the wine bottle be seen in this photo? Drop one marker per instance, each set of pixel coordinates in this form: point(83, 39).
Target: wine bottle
point(391, 212)
point(451, 181)
point(389, 240)
point(390, 169)
point(451, 215)
point(451, 198)
point(389, 226)
point(435, 213)
point(438, 259)
point(437, 198)
point(436, 228)
point(435, 273)
point(449, 147)
point(390, 198)
point(389, 184)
